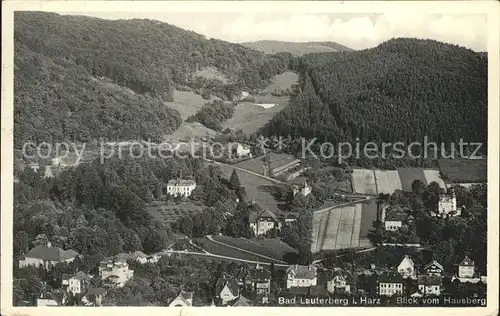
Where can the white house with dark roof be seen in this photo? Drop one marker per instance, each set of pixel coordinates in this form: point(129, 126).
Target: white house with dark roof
point(301, 276)
point(395, 217)
point(183, 299)
point(467, 272)
point(429, 285)
point(47, 256)
point(339, 281)
point(180, 187)
point(227, 290)
point(394, 221)
point(390, 284)
point(407, 268)
point(433, 268)
point(261, 221)
point(76, 283)
point(466, 269)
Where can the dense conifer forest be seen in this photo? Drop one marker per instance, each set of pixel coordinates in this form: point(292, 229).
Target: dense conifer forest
point(401, 90)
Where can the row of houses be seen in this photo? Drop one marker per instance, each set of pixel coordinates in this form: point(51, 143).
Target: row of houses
point(428, 281)
point(114, 272)
point(298, 278)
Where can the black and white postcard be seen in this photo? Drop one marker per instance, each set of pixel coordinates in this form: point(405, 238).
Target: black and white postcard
point(282, 155)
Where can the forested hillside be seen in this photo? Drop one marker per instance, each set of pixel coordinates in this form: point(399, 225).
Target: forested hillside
point(402, 90)
point(54, 102)
point(99, 209)
point(64, 66)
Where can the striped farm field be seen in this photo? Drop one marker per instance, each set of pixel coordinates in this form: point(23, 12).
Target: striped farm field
point(319, 229)
point(332, 229)
point(433, 176)
point(341, 228)
point(358, 210)
point(408, 175)
point(387, 181)
point(373, 182)
point(346, 226)
point(364, 181)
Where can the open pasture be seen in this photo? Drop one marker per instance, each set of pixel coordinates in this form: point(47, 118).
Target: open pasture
point(387, 181)
point(258, 189)
point(364, 181)
point(433, 176)
point(408, 175)
point(464, 170)
point(268, 247)
point(187, 103)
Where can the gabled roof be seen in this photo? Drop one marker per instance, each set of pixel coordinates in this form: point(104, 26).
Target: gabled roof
point(185, 297)
point(429, 280)
point(260, 275)
point(433, 262)
point(243, 275)
point(181, 182)
point(231, 283)
point(302, 272)
point(407, 259)
point(396, 217)
point(242, 301)
point(254, 216)
point(79, 276)
point(467, 262)
point(390, 278)
point(49, 253)
point(338, 273)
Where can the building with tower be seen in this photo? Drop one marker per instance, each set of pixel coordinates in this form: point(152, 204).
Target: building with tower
point(447, 205)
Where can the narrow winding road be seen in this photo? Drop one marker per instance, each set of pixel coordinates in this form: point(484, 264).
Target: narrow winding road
point(208, 254)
